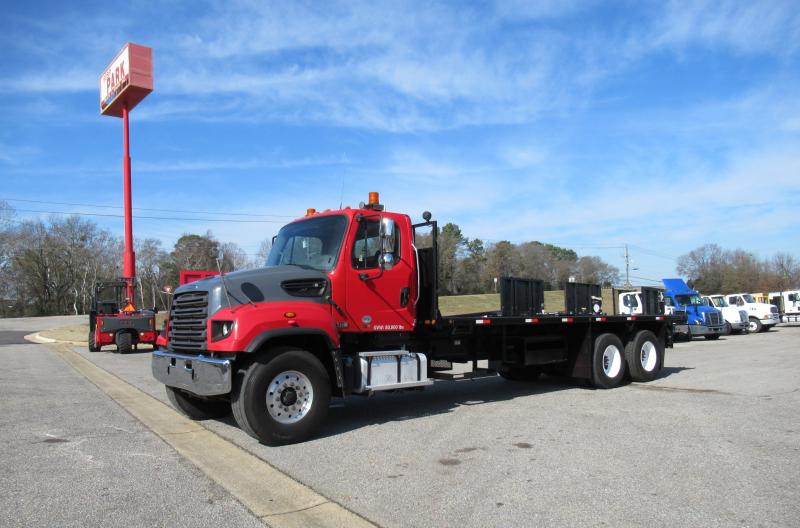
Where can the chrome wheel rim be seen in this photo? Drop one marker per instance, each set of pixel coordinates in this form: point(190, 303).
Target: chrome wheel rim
point(648, 356)
point(752, 326)
point(289, 397)
point(612, 361)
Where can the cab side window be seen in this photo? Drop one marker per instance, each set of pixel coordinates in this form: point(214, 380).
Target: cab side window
point(367, 245)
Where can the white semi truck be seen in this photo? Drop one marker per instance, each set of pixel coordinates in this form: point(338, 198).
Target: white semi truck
point(762, 316)
point(788, 303)
point(736, 319)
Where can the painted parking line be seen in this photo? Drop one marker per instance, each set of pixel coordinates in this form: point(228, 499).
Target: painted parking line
point(274, 497)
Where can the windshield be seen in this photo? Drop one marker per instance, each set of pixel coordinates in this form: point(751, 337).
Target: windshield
point(748, 298)
point(312, 243)
point(689, 299)
point(719, 302)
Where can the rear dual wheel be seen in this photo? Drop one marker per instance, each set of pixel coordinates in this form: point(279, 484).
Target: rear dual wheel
point(608, 362)
point(644, 355)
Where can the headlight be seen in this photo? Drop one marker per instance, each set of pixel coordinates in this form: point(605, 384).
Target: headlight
point(221, 329)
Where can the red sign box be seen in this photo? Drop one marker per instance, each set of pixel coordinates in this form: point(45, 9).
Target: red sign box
point(127, 80)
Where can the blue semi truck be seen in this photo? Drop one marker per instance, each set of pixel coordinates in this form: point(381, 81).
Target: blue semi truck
point(701, 319)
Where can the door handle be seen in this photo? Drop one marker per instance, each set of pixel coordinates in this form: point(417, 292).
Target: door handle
point(404, 295)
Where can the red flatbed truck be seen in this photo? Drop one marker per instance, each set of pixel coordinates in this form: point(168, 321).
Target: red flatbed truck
point(348, 305)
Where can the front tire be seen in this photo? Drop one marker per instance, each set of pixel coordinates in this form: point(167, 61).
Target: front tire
point(608, 363)
point(728, 328)
point(712, 337)
point(754, 325)
point(282, 397)
point(197, 408)
point(644, 355)
point(124, 343)
point(92, 343)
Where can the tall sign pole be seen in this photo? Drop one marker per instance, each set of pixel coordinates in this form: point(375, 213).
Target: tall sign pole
point(123, 85)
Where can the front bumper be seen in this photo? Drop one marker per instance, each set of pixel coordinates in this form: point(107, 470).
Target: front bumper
point(739, 325)
point(199, 375)
point(771, 321)
point(703, 330)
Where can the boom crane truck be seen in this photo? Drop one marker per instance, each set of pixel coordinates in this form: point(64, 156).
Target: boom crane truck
point(347, 305)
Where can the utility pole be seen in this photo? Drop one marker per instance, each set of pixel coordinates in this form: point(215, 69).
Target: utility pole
point(627, 268)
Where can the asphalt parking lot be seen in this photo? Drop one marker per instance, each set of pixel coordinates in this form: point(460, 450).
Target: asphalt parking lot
point(715, 441)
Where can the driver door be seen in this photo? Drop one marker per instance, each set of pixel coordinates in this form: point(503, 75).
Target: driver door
point(379, 298)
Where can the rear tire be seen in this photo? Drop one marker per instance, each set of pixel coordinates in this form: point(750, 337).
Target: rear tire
point(197, 408)
point(644, 355)
point(282, 397)
point(608, 362)
point(520, 373)
point(124, 343)
point(755, 325)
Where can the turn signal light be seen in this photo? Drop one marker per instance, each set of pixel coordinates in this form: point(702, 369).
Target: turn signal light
point(289, 315)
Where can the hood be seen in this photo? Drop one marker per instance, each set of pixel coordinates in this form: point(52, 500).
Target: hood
point(678, 286)
point(278, 283)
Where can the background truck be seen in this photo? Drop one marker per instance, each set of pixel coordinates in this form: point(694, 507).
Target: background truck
point(643, 301)
point(762, 316)
point(788, 304)
point(736, 319)
point(348, 305)
point(701, 319)
point(114, 320)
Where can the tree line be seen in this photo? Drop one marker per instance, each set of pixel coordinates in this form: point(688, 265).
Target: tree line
point(51, 267)
point(469, 266)
point(712, 269)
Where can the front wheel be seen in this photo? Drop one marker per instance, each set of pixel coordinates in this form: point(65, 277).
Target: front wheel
point(754, 325)
point(712, 337)
point(92, 343)
point(282, 397)
point(608, 363)
point(728, 328)
point(124, 343)
point(197, 408)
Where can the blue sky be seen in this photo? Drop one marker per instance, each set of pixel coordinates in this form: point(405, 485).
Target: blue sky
point(663, 125)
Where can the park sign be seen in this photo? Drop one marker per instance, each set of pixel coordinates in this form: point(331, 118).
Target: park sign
point(127, 80)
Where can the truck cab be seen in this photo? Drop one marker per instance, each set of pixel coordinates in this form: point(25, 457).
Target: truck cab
point(788, 303)
point(736, 319)
point(702, 320)
point(761, 316)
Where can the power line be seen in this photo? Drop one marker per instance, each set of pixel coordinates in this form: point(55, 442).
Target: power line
point(141, 217)
point(143, 208)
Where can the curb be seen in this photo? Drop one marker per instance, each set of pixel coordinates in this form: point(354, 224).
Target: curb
point(39, 339)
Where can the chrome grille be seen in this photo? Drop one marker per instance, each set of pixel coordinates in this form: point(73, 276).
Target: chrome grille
point(187, 321)
point(713, 318)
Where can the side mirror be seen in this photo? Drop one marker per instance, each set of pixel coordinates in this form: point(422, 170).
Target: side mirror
point(388, 241)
